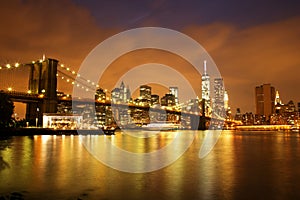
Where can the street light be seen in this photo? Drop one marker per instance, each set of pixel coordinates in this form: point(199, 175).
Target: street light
point(37, 118)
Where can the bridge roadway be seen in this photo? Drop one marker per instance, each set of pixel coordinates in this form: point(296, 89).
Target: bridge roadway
point(24, 97)
point(38, 98)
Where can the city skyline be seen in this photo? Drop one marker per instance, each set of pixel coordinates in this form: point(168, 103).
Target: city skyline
point(123, 93)
point(249, 47)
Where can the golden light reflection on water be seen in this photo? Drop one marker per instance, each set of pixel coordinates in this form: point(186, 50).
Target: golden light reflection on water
point(142, 142)
point(59, 167)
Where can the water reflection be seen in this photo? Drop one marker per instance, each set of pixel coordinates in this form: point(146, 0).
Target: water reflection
point(241, 166)
point(3, 164)
point(138, 154)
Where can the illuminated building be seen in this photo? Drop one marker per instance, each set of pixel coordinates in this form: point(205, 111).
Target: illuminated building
point(62, 121)
point(218, 100)
point(154, 99)
point(121, 94)
point(290, 107)
point(205, 85)
point(238, 115)
point(226, 105)
point(265, 100)
point(168, 100)
point(226, 101)
point(100, 95)
point(115, 95)
point(206, 91)
point(285, 114)
point(124, 93)
point(174, 91)
point(277, 98)
point(145, 92)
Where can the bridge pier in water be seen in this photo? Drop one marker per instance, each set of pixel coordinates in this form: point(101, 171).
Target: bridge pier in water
point(42, 81)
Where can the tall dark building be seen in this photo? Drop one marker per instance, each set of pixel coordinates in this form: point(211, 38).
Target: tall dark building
point(145, 92)
point(100, 94)
point(265, 100)
point(168, 100)
point(154, 99)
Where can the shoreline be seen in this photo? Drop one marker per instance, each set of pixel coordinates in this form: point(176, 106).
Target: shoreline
point(31, 131)
point(48, 131)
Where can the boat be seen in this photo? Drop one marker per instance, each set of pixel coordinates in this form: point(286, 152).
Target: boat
point(160, 126)
point(295, 128)
point(108, 130)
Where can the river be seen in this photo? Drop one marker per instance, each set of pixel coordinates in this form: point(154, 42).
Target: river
point(242, 165)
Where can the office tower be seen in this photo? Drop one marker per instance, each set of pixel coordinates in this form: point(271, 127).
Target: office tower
point(205, 84)
point(168, 100)
point(145, 92)
point(226, 101)
point(154, 99)
point(238, 115)
point(124, 93)
point(218, 101)
point(218, 91)
point(290, 107)
point(277, 99)
point(174, 91)
point(265, 100)
point(121, 94)
point(100, 95)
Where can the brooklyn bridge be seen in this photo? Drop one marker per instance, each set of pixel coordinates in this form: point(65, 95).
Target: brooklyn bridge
point(42, 98)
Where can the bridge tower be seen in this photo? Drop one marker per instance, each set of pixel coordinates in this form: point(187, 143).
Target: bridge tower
point(42, 81)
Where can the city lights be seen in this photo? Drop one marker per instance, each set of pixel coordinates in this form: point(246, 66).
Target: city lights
point(279, 114)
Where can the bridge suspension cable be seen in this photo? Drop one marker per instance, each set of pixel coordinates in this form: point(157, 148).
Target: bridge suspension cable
point(65, 73)
point(72, 73)
point(72, 77)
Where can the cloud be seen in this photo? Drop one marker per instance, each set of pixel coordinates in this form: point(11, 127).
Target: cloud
point(267, 53)
point(59, 29)
point(246, 57)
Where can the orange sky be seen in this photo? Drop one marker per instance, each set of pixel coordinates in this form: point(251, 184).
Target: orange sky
point(246, 56)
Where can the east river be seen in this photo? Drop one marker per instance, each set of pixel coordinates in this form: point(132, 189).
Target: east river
point(242, 165)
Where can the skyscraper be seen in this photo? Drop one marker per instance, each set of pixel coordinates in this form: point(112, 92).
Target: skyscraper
point(145, 92)
point(121, 94)
point(226, 101)
point(154, 99)
point(205, 84)
point(168, 100)
point(265, 99)
point(218, 101)
point(174, 91)
point(277, 99)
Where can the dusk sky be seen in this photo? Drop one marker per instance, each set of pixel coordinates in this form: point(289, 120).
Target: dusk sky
point(251, 42)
